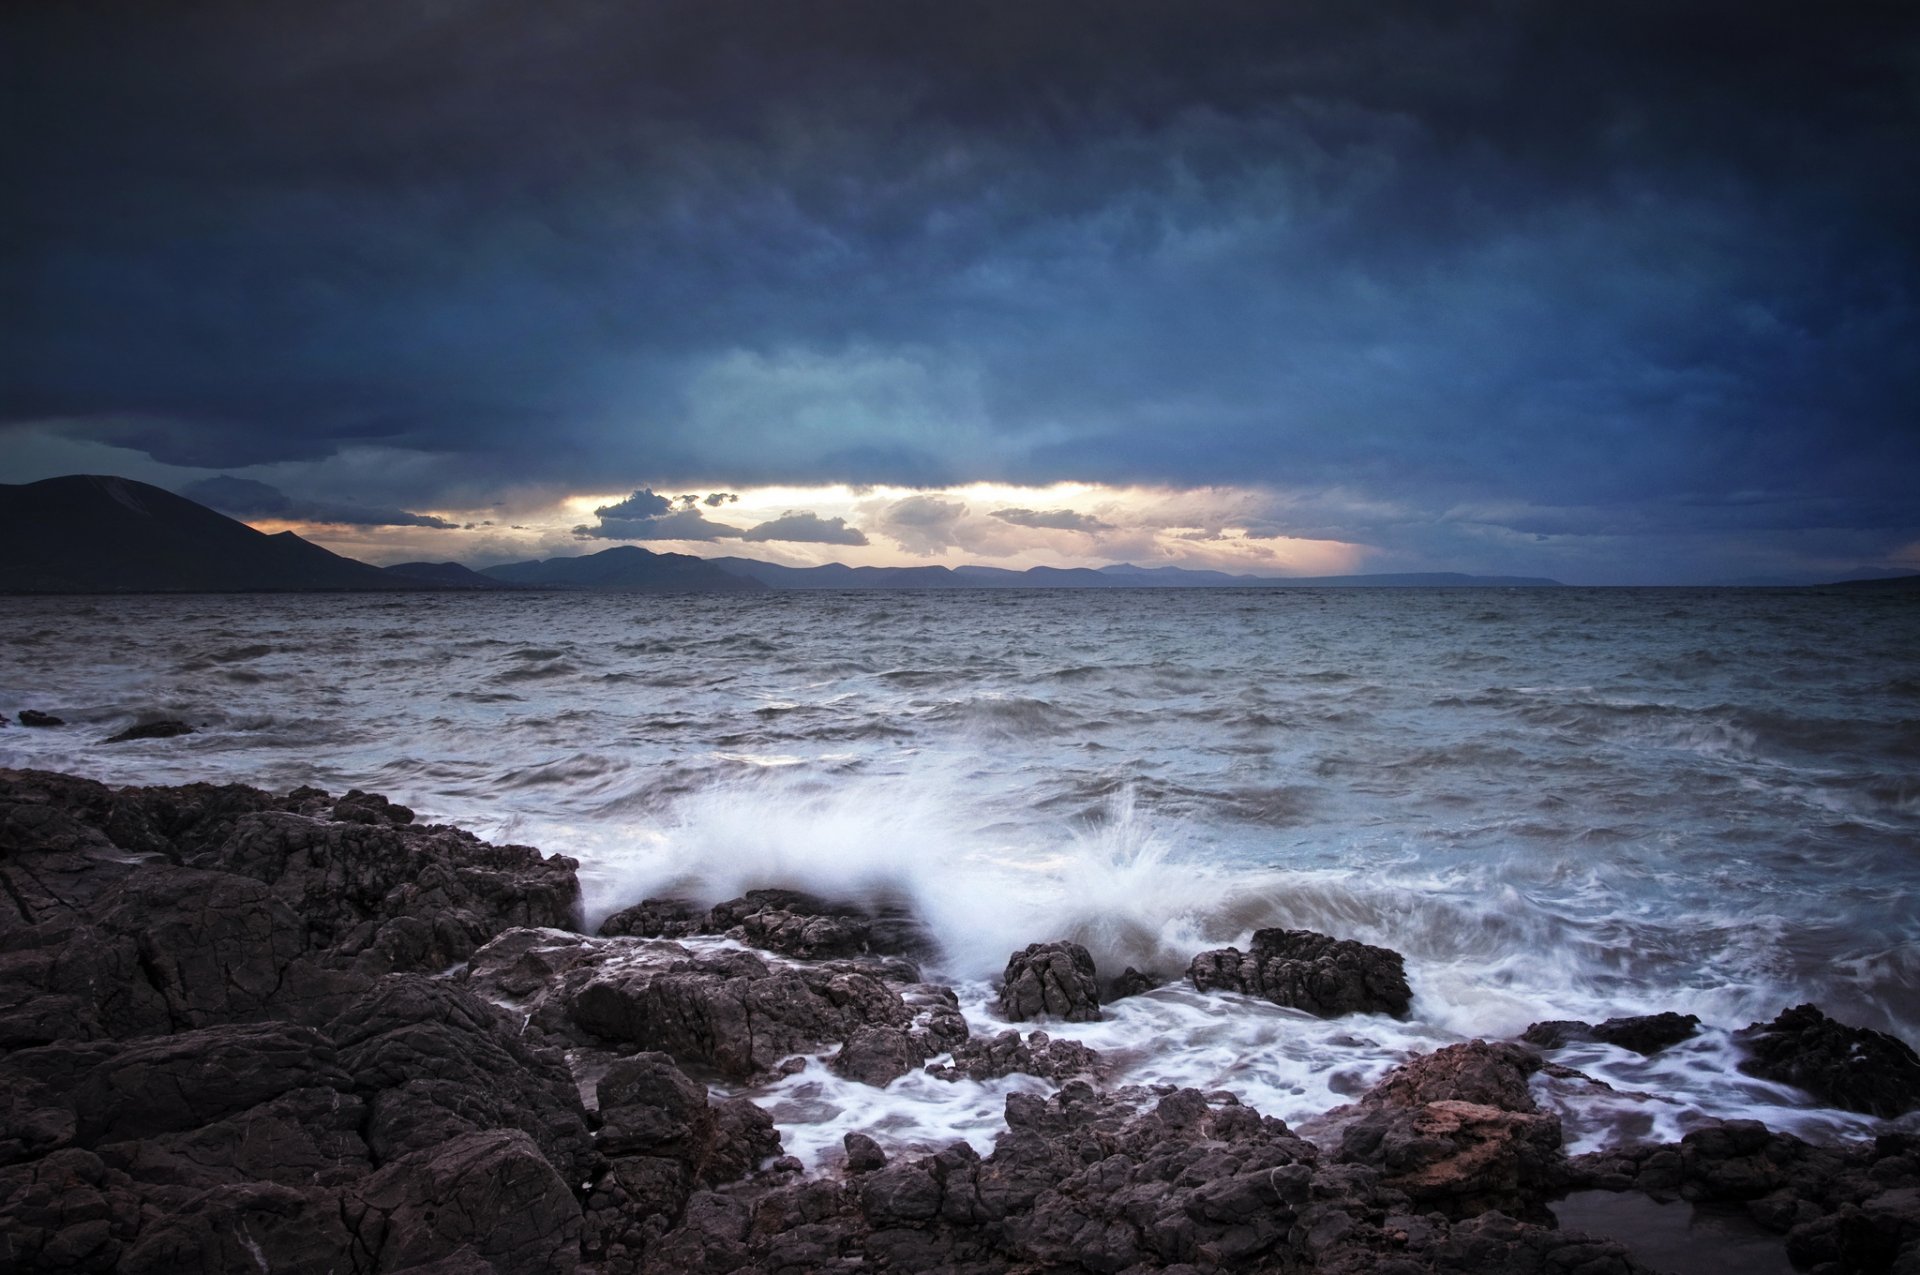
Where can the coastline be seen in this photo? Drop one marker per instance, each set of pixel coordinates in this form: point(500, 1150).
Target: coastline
point(251, 1029)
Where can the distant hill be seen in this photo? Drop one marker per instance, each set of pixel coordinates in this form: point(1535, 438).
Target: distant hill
point(835, 575)
point(628, 568)
point(90, 533)
point(445, 575)
point(1878, 584)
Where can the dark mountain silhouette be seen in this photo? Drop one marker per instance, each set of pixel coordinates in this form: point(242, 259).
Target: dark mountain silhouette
point(445, 575)
point(628, 568)
point(834, 575)
point(91, 533)
point(1878, 584)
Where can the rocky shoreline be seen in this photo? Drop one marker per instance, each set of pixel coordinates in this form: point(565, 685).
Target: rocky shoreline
point(241, 1031)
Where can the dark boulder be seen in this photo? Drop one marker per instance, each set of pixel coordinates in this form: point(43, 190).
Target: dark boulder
point(863, 1153)
point(492, 1192)
point(790, 922)
point(32, 717)
point(1324, 976)
point(1458, 1131)
point(1052, 980)
point(1854, 1068)
point(1646, 1034)
point(1133, 982)
point(877, 1055)
point(1005, 1054)
point(732, 1012)
point(649, 1107)
point(150, 730)
point(656, 918)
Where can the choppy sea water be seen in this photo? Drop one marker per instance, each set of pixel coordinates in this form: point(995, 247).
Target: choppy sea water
point(1555, 803)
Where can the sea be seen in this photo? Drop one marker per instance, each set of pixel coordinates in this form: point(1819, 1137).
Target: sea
point(1556, 803)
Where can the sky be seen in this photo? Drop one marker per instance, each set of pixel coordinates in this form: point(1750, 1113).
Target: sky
point(1621, 293)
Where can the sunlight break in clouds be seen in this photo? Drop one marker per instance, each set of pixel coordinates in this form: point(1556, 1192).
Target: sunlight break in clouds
point(1062, 524)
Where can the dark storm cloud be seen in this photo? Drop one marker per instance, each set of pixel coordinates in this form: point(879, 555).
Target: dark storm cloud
point(1052, 519)
point(684, 524)
point(247, 498)
point(642, 504)
point(807, 528)
point(1573, 266)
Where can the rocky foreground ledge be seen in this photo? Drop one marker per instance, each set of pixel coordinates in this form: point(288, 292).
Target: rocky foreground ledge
point(241, 1032)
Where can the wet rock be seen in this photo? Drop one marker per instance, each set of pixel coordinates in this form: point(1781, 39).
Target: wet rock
point(649, 1107)
point(32, 717)
point(1843, 1208)
point(1487, 1074)
point(440, 1063)
point(1322, 975)
point(1133, 982)
point(732, 1012)
point(1646, 1034)
point(656, 918)
point(150, 730)
point(877, 1055)
point(1457, 1130)
point(1005, 1054)
point(1055, 980)
point(1849, 1067)
point(368, 807)
point(863, 1153)
point(492, 1192)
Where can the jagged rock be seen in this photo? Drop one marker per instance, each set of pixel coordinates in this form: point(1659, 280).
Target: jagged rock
point(32, 717)
point(368, 807)
point(1003, 1055)
point(441, 1063)
point(1057, 980)
point(1850, 1205)
point(656, 918)
point(1850, 1067)
point(863, 1153)
point(490, 1191)
point(1322, 975)
point(1133, 982)
point(150, 730)
point(877, 1055)
point(649, 1107)
point(1646, 1034)
point(790, 922)
point(732, 1011)
point(1458, 1131)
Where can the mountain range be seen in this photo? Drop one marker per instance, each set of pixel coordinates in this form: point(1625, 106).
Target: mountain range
point(93, 533)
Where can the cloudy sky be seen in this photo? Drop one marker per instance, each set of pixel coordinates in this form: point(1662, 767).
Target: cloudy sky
point(1611, 293)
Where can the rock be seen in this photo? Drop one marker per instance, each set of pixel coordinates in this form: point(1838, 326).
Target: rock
point(790, 922)
point(440, 1063)
point(732, 1012)
point(656, 918)
point(150, 730)
point(365, 807)
point(1646, 1034)
point(1133, 982)
point(1324, 976)
point(650, 1107)
point(1486, 1074)
point(492, 1192)
point(863, 1153)
point(877, 1055)
point(1055, 980)
point(30, 717)
point(1849, 1067)
point(1005, 1054)
point(1458, 1131)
